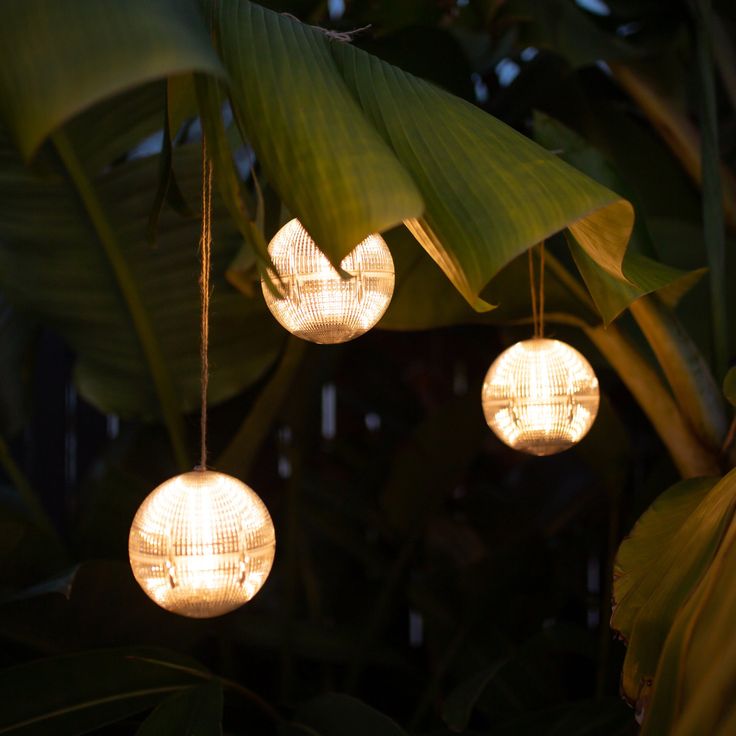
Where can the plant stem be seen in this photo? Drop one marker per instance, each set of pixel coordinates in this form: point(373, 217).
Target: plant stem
point(133, 300)
point(690, 457)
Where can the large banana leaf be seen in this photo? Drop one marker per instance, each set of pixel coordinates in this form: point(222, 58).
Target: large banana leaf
point(657, 568)
point(52, 264)
point(695, 684)
point(325, 119)
point(58, 59)
point(644, 274)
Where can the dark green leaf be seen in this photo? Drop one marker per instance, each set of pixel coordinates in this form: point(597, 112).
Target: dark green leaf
point(58, 59)
point(196, 711)
point(729, 386)
point(459, 704)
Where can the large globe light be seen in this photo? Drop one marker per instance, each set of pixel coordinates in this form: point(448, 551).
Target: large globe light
point(540, 396)
point(315, 302)
point(201, 544)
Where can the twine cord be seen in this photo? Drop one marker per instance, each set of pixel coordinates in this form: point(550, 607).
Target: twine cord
point(205, 250)
point(537, 295)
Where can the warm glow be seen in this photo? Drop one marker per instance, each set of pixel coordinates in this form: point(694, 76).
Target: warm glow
point(540, 396)
point(201, 544)
point(318, 304)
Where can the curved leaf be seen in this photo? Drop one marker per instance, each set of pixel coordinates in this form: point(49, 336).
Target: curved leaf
point(643, 274)
point(78, 693)
point(490, 193)
point(58, 59)
point(329, 165)
point(52, 265)
point(695, 685)
point(196, 711)
point(653, 579)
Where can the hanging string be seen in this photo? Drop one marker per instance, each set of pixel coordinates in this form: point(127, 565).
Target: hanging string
point(532, 289)
point(205, 250)
point(537, 297)
point(541, 289)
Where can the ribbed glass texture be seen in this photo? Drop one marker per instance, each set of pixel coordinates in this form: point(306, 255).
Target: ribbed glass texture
point(318, 304)
point(201, 544)
point(540, 396)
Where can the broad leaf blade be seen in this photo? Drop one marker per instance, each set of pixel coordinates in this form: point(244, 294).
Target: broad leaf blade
point(60, 274)
point(329, 165)
point(489, 192)
point(647, 606)
point(58, 59)
point(82, 692)
point(196, 711)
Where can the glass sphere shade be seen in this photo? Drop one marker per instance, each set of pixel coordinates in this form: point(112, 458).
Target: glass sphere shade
point(201, 544)
point(316, 303)
point(540, 396)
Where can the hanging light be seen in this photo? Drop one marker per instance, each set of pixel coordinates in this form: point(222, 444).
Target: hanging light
point(202, 543)
point(316, 303)
point(540, 396)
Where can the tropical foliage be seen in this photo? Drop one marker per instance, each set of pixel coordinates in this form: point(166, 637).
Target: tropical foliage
point(467, 133)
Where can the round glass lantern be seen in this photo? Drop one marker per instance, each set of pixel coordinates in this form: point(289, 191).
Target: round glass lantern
point(540, 396)
point(315, 302)
point(201, 544)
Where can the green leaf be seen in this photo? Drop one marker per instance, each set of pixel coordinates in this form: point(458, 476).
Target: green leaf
point(58, 59)
point(327, 162)
point(78, 693)
point(695, 685)
point(459, 704)
point(336, 714)
point(729, 386)
point(53, 266)
point(489, 192)
point(660, 564)
point(643, 274)
point(354, 145)
point(424, 298)
point(196, 711)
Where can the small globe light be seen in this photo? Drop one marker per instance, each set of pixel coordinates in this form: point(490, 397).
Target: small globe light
point(201, 544)
point(318, 304)
point(540, 396)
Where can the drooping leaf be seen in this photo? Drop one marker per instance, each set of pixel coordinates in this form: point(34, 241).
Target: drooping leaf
point(648, 596)
point(694, 689)
point(78, 693)
point(63, 277)
point(327, 162)
point(424, 298)
point(58, 59)
point(336, 714)
point(196, 711)
point(489, 192)
point(611, 295)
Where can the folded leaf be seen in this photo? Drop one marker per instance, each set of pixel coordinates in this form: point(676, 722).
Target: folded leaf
point(660, 564)
point(58, 59)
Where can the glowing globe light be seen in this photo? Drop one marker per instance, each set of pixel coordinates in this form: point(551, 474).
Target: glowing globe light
point(316, 303)
point(201, 544)
point(540, 396)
